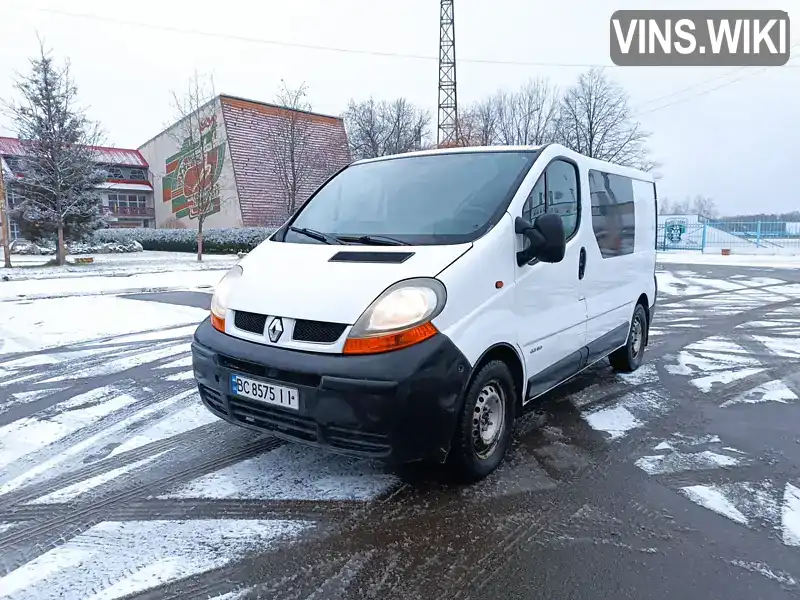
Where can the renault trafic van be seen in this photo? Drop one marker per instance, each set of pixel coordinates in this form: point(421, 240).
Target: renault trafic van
point(416, 304)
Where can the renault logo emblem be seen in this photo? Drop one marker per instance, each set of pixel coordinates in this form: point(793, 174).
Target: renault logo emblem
point(275, 330)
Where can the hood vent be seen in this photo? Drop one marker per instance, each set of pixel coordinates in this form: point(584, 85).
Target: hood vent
point(391, 258)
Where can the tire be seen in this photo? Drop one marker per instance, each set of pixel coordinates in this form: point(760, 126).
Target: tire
point(629, 357)
point(477, 448)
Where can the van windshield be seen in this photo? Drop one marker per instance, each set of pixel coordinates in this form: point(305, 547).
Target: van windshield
point(419, 200)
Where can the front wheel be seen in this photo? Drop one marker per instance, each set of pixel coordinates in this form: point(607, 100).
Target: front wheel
point(486, 422)
point(629, 357)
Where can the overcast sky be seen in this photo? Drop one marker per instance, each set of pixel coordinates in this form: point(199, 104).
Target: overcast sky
point(739, 144)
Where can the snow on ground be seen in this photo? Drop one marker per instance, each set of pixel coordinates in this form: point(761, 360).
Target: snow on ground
point(71, 492)
point(679, 454)
point(617, 421)
point(32, 289)
point(629, 411)
point(191, 417)
point(292, 472)
point(31, 434)
point(713, 499)
point(714, 360)
point(31, 326)
point(677, 462)
point(114, 559)
point(672, 282)
point(791, 515)
point(766, 571)
point(739, 260)
point(772, 391)
point(56, 459)
point(113, 273)
point(30, 267)
point(126, 362)
point(748, 503)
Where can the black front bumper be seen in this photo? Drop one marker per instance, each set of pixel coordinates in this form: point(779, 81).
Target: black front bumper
point(397, 406)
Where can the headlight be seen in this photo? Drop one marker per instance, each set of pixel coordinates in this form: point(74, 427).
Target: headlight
point(399, 317)
point(221, 297)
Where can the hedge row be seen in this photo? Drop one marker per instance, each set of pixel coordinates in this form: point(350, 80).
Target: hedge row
point(215, 241)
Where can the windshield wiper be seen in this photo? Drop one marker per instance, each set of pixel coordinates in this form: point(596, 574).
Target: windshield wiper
point(379, 240)
point(317, 235)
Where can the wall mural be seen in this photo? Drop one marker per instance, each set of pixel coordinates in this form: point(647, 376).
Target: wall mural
point(186, 176)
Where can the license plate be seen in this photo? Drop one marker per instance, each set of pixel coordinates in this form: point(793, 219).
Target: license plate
point(265, 392)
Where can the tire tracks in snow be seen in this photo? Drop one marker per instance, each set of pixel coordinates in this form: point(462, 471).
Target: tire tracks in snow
point(29, 540)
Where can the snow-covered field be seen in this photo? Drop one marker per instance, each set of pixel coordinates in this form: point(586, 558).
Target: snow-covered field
point(132, 283)
point(733, 260)
point(54, 306)
point(30, 267)
point(113, 274)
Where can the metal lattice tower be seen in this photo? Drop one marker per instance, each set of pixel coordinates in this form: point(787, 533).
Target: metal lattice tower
point(448, 111)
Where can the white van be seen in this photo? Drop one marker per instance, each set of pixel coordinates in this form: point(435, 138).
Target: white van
point(416, 304)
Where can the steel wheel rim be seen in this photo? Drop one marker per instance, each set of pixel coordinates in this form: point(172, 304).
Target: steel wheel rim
point(637, 336)
point(488, 419)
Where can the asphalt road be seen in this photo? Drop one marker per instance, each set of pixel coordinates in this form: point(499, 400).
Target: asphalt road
point(680, 480)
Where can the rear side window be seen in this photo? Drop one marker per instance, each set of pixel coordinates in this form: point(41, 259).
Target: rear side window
point(556, 191)
point(613, 213)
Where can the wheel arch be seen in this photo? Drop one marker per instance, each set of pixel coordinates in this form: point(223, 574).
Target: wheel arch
point(509, 355)
point(646, 306)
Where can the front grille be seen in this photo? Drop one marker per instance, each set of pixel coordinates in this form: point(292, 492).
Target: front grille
point(213, 400)
point(317, 331)
point(265, 417)
point(247, 321)
point(278, 375)
point(360, 441)
point(304, 428)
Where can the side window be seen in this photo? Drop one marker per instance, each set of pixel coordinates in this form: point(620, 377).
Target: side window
point(562, 194)
point(534, 204)
point(613, 213)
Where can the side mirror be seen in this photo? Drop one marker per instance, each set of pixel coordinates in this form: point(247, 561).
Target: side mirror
point(547, 237)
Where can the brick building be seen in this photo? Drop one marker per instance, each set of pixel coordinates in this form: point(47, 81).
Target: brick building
point(239, 138)
point(127, 193)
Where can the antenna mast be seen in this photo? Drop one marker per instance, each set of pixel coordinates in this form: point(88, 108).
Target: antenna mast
point(448, 111)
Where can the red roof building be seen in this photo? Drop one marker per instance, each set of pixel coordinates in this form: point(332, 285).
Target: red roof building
point(127, 192)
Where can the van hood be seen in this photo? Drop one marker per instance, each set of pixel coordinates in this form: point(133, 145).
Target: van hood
point(300, 281)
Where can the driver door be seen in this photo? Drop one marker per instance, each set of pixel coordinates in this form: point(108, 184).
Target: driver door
point(550, 303)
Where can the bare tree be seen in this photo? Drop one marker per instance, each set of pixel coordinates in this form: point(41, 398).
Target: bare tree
point(5, 229)
point(705, 207)
point(59, 172)
point(383, 128)
point(681, 207)
point(595, 120)
point(665, 207)
point(527, 116)
point(202, 144)
point(298, 157)
point(477, 124)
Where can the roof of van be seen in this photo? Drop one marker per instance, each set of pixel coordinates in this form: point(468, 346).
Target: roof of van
point(593, 162)
point(454, 150)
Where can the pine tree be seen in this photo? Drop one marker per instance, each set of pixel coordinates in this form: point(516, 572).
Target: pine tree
point(59, 173)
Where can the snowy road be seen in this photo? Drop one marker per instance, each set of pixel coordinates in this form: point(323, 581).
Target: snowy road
point(115, 482)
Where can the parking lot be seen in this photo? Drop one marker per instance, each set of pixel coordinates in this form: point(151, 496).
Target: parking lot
point(679, 479)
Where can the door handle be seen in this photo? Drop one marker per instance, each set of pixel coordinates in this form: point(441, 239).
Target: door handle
point(582, 263)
